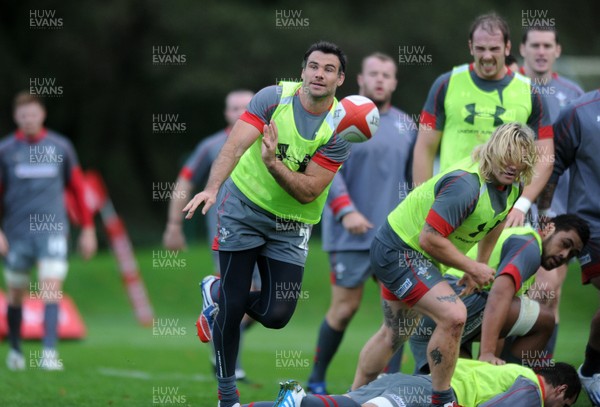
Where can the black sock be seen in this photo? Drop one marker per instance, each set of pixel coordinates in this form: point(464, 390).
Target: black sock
point(591, 365)
point(15, 317)
point(327, 345)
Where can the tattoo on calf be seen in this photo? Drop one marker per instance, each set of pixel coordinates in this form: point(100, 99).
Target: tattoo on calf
point(388, 314)
point(436, 356)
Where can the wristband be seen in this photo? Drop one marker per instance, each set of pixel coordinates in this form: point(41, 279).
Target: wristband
point(523, 204)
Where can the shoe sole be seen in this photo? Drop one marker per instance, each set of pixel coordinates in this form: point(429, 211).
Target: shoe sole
point(203, 328)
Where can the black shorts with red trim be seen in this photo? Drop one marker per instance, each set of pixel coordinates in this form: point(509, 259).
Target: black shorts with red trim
point(406, 274)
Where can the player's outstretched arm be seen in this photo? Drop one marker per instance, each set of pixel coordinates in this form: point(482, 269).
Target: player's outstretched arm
point(239, 140)
point(426, 146)
point(304, 187)
point(494, 317)
point(173, 237)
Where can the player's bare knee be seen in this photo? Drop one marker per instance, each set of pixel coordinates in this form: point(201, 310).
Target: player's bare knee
point(453, 319)
point(343, 313)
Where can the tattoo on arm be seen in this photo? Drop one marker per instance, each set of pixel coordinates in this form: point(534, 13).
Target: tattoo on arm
point(448, 298)
point(436, 356)
point(429, 229)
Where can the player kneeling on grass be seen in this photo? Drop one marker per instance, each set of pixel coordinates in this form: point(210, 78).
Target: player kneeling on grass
point(474, 384)
point(434, 227)
point(504, 310)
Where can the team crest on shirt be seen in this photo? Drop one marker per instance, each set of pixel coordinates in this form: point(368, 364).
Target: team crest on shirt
point(562, 99)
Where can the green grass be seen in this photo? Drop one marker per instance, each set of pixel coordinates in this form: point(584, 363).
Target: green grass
point(120, 363)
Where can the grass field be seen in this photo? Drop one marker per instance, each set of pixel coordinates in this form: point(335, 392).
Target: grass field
point(121, 363)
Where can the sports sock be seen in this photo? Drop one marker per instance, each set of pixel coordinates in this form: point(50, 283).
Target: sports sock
point(15, 317)
point(439, 398)
point(591, 365)
point(50, 325)
point(228, 394)
point(327, 345)
point(395, 362)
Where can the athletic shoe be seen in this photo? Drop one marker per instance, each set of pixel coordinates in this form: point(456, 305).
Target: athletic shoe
point(50, 360)
point(290, 394)
point(591, 385)
point(209, 310)
point(15, 360)
point(318, 388)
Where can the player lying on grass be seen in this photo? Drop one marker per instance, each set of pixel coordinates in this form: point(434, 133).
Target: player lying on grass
point(434, 228)
point(495, 312)
point(474, 383)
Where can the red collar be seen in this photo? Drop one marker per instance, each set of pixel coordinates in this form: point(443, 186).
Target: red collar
point(38, 137)
point(522, 72)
